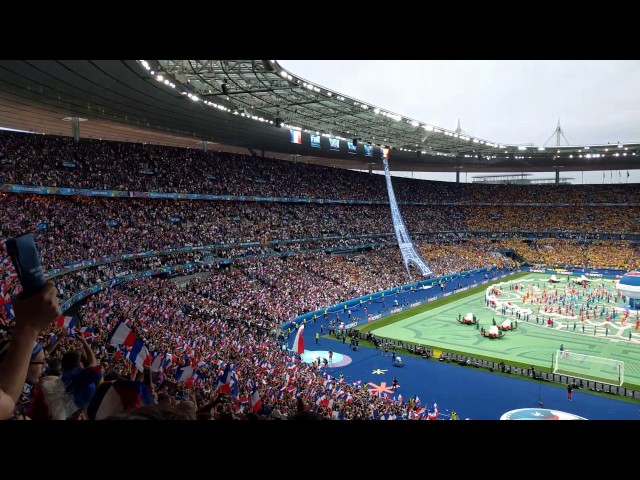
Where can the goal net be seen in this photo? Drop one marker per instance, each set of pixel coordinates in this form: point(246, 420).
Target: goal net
point(588, 367)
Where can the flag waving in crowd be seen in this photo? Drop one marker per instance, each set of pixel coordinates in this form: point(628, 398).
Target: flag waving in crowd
point(298, 341)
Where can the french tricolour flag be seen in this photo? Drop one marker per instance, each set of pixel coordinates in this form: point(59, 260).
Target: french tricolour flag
point(138, 354)
point(256, 401)
point(117, 397)
point(122, 335)
point(233, 388)
point(87, 333)
point(223, 384)
point(298, 341)
point(184, 373)
point(296, 136)
point(433, 415)
point(64, 321)
point(160, 362)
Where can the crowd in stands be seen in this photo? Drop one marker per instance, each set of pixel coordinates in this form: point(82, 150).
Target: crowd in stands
point(448, 258)
point(228, 319)
point(576, 220)
point(78, 280)
point(208, 327)
point(336, 278)
point(621, 255)
point(39, 160)
point(77, 228)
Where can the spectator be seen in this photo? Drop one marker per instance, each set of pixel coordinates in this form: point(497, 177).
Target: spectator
point(32, 314)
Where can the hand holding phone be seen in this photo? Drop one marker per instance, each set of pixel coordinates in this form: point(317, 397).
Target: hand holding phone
point(37, 311)
point(26, 260)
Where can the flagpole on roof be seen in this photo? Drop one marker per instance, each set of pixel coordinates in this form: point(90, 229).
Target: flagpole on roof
point(558, 132)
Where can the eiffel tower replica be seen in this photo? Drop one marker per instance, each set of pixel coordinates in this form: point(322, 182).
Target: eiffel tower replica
point(408, 250)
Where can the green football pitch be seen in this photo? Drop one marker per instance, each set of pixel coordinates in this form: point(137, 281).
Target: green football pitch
point(436, 326)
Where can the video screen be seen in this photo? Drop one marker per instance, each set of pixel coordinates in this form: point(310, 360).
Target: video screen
point(352, 148)
point(368, 150)
point(334, 143)
point(296, 136)
point(384, 152)
point(315, 140)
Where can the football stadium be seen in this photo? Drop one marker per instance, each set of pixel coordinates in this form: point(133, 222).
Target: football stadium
point(227, 240)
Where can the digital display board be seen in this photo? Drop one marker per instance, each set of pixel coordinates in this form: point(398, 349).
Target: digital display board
point(368, 150)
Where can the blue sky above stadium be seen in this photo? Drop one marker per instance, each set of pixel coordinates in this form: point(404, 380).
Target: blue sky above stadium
point(509, 101)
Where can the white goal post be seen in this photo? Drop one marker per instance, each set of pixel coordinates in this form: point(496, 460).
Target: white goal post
point(588, 367)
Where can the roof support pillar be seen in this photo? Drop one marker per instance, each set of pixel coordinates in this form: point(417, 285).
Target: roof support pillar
point(75, 128)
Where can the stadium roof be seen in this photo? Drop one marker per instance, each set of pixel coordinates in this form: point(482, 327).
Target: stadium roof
point(250, 105)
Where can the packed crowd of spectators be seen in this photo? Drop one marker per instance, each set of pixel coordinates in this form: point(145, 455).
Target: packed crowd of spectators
point(74, 282)
point(39, 160)
point(337, 277)
point(619, 255)
point(230, 316)
point(72, 229)
point(448, 258)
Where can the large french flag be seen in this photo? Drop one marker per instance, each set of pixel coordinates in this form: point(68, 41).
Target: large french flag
point(138, 354)
point(64, 321)
point(117, 397)
point(122, 335)
point(298, 341)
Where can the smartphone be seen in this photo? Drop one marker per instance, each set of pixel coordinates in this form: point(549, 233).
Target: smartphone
point(26, 260)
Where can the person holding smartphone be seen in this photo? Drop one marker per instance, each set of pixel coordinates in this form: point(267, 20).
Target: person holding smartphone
point(32, 314)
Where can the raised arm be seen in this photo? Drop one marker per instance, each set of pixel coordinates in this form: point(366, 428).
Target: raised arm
point(32, 315)
point(49, 349)
point(92, 361)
